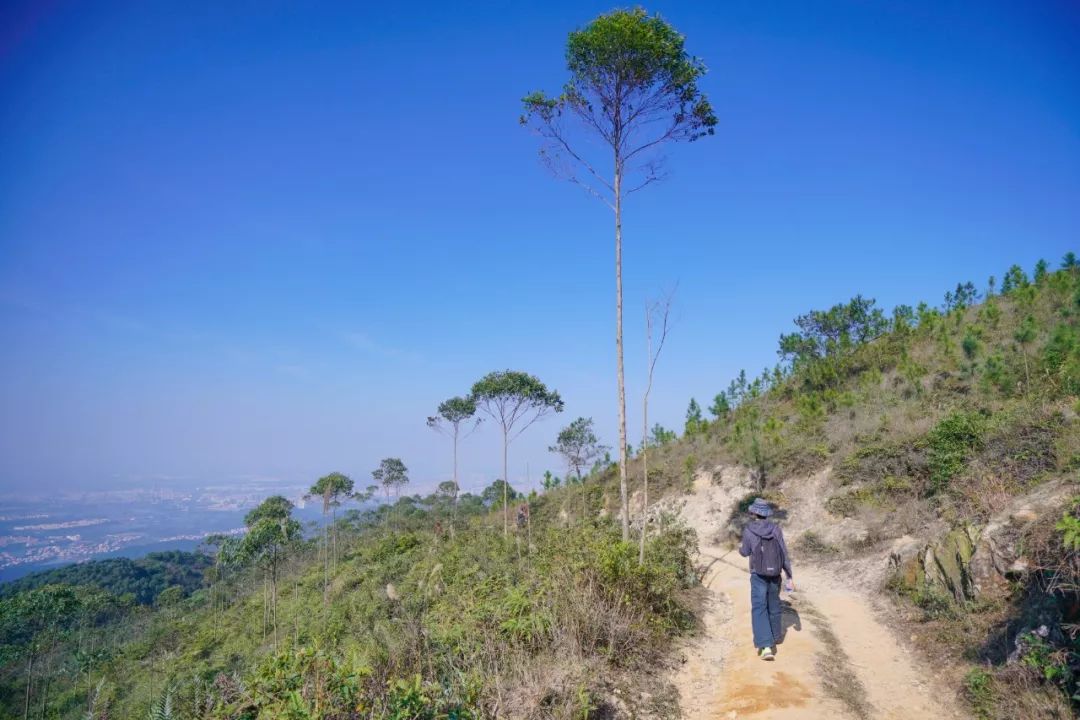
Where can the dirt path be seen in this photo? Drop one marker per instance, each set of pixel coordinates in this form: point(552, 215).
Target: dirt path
point(837, 660)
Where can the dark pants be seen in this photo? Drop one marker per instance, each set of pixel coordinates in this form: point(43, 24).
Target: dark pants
point(765, 610)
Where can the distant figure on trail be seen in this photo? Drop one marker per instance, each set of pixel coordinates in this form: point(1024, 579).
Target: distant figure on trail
point(763, 543)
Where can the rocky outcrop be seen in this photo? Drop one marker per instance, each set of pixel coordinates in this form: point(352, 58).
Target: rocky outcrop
point(943, 564)
point(968, 561)
point(999, 555)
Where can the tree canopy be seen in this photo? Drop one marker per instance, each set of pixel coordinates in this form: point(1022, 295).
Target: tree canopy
point(578, 445)
point(510, 397)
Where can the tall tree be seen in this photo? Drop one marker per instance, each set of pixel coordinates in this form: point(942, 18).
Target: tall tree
point(272, 533)
point(633, 86)
point(515, 400)
point(392, 475)
point(656, 315)
point(448, 420)
point(331, 488)
point(579, 447)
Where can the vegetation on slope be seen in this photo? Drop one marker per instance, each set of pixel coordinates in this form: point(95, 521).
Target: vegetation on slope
point(931, 418)
point(141, 580)
point(429, 612)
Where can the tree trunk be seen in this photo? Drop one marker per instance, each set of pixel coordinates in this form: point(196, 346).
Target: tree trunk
point(45, 691)
point(326, 560)
point(619, 349)
point(273, 596)
point(506, 485)
point(1027, 373)
point(457, 488)
point(29, 681)
point(644, 473)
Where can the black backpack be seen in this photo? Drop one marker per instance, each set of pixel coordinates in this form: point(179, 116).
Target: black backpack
point(767, 559)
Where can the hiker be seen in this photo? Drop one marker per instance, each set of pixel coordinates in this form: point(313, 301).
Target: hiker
point(763, 543)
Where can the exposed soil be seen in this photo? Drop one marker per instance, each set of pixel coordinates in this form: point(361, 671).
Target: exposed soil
point(837, 659)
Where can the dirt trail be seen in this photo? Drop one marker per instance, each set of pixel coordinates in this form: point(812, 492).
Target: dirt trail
point(837, 660)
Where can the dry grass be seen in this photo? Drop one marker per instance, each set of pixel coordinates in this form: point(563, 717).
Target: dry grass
point(838, 678)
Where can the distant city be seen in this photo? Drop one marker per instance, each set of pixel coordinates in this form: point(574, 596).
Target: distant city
point(38, 533)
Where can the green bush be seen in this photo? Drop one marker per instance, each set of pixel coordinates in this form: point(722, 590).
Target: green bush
point(952, 442)
point(979, 688)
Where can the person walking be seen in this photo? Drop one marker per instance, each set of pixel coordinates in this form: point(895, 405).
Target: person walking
point(763, 543)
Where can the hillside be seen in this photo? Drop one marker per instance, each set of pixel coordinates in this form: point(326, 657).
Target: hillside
point(924, 464)
point(930, 457)
point(143, 579)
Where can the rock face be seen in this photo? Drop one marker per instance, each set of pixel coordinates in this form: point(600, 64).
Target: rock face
point(943, 564)
point(969, 561)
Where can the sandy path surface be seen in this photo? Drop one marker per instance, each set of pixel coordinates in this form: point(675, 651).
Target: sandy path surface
point(837, 659)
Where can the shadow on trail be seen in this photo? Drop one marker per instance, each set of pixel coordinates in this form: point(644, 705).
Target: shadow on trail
point(789, 619)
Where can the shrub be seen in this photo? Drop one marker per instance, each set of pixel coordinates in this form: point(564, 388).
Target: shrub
point(979, 689)
point(952, 442)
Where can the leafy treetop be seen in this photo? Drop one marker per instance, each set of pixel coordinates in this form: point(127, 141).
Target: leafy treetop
point(510, 396)
point(454, 411)
point(330, 488)
point(632, 83)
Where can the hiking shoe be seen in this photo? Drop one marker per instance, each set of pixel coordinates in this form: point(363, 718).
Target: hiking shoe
point(766, 653)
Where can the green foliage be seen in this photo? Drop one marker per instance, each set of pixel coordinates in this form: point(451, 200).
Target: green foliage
point(578, 445)
point(661, 436)
point(454, 411)
point(510, 396)
point(951, 442)
point(695, 423)
point(833, 332)
point(1069, 527)
point(494, 494)
point(143, 578)
point(970, 345)
point(331, 488)
point(964, 296)
point(1015, 279)
point(1047, 662)
point(630, 70)
point(720, 407)
point(1062, 357)
point(391, 474)
point(979, 688)
point(1041, 271)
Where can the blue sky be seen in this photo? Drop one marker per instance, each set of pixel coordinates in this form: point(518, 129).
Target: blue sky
point(266, 239)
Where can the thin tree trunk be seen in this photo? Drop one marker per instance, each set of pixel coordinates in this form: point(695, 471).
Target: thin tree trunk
point(584, 498)
point(326, 560)
point(645, 434)
point(1027, 373)
point(453, 507)
point(645, 477)
point(45, 691)
point(506, 485)
point(273, 591)
point(29, 682)
point(619, 349)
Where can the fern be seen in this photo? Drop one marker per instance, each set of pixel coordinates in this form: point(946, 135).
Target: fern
point(1069, 527)
point(163, 708)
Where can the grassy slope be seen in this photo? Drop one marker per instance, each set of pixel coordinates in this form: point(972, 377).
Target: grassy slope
point(932, 425)
point(921, 433)
point(417, 624)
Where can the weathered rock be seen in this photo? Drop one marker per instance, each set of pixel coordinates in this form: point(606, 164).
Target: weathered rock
point(997, 556)
point(969, 561)
point(945, 563)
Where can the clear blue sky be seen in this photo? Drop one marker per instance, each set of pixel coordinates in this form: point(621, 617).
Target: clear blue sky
point(266, 239)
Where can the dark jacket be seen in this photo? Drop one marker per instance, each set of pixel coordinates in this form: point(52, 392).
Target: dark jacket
point(751, 538)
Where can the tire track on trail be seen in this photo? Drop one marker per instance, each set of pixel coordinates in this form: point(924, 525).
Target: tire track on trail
point(836, 661)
